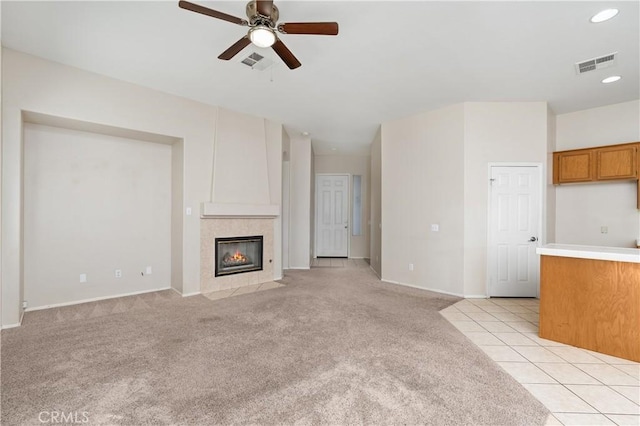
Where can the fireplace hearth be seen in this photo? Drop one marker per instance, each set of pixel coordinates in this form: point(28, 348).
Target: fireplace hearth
point(236, 255)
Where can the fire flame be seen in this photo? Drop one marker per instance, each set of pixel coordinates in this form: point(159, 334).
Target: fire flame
point(238, 256)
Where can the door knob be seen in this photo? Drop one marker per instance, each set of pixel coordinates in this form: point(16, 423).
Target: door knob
point(533, 239)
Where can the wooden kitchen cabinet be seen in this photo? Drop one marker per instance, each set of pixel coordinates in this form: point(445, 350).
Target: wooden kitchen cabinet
point(590, 303)
point(573, 166)
point(616, 162)
point(599, 164)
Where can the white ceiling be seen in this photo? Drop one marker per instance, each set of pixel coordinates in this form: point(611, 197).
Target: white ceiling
point(391, 58)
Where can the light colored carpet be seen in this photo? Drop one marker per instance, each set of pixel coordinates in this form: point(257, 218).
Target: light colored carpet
point(335, 346)
point(101, 308)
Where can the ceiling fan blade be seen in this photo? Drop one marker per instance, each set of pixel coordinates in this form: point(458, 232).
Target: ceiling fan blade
point(319, 28)
point(264, 7)
point(286, 55)
point(210, 12)
point(235, 48)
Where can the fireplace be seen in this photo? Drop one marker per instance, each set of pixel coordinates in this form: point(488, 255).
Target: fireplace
point(236, 255)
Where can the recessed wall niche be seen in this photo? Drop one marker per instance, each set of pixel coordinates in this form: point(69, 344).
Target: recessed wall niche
point(98, 199)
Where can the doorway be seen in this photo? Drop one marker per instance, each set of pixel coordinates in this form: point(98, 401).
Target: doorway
point(514, 229)
point(332, 215)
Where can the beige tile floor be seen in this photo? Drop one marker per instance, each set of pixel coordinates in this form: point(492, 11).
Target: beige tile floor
point(222, 294)
point(578, 386)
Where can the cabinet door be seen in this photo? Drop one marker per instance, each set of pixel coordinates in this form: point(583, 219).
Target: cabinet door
point(573, 166)
point(616, 163)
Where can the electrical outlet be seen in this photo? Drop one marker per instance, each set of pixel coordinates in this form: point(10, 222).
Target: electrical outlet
point(604, 229)
point(24, 304)
point(435, 227)
point(411, 266)
point(148, 272)
point(118, 273)
point(83, 278)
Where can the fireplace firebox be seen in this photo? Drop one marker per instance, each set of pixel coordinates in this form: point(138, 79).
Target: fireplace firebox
point(236, 255)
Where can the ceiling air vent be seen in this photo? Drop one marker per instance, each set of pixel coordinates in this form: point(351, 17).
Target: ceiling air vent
point(601, 62)
point(256, 61)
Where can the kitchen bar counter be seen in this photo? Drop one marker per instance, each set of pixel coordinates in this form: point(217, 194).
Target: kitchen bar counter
point(619, 254)
point(590, 298)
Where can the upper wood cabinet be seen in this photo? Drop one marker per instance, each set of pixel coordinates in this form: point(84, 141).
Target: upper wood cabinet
point(596, 164)
point(618, 162)
point(573, 166)
point(603, 163)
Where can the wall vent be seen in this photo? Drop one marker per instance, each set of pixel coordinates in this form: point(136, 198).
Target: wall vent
point(256, 61)
point(598, 63)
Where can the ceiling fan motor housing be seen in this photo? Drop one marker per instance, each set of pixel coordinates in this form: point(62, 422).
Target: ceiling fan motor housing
point(253, 15)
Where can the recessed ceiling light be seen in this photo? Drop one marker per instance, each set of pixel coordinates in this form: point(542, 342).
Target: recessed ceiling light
point(604, 15)
point(611, 79)
point(305, 133)
point(334, 149)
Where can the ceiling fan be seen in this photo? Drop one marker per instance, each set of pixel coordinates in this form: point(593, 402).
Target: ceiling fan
point(263, 15)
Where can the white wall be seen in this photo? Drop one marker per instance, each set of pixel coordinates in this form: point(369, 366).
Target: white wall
point(375, 227)
point(177, 217)
point(435, 169)
point(582, 209)
point(353, 165)
point(286, 198)
point(550, 218)
point(422, 184)
point(273, 143)
point(240, 172)
point(1, 137)
point(92, 204)
point(494, 132)
point(312, 206)
point(300, 156)
point(607, 125)
point(34, 84)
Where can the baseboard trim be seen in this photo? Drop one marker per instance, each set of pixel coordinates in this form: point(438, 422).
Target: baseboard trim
point(279, 278)
point(95, 299)
point(424, 288)
point(476, 296)
point(194, 293)
point(302, 268)
point(4, 327)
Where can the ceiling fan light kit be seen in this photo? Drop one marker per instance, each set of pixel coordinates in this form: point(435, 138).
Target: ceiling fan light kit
point(262, 36)
point(263, 15)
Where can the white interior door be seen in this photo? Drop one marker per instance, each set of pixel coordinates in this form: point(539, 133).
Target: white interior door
point(332, 215)
point(514, 226)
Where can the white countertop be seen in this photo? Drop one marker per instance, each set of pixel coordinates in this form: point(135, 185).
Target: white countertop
point(617, 254)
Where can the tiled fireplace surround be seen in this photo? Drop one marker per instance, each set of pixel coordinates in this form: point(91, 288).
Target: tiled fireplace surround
point(212, 228)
